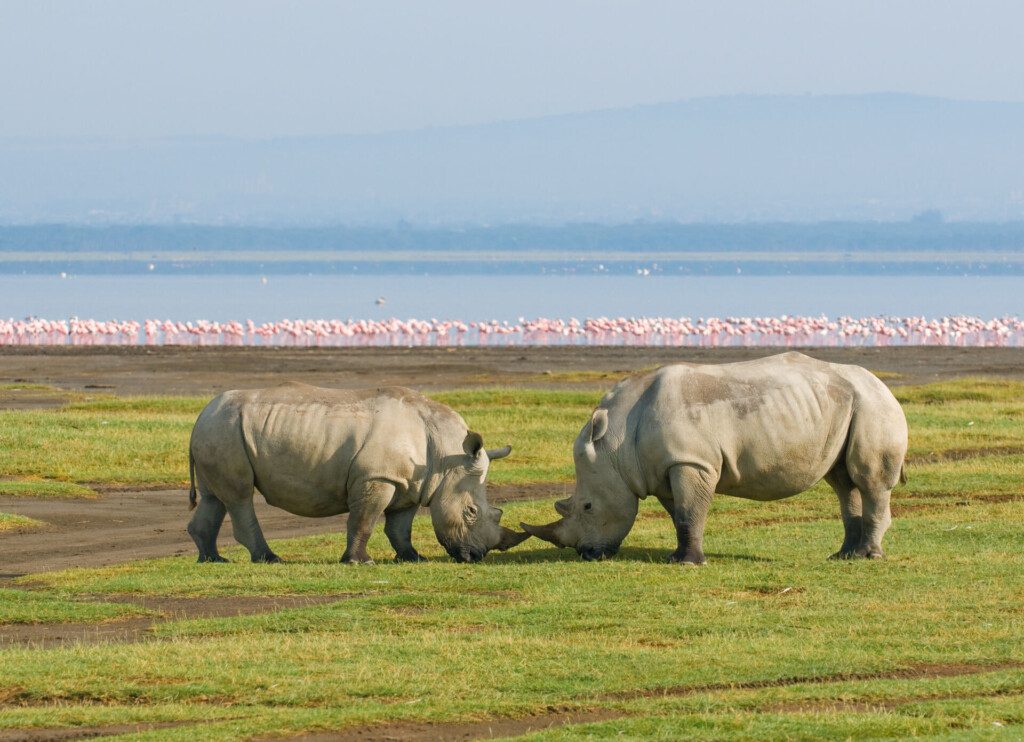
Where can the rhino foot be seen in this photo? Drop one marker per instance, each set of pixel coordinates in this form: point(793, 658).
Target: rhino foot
point(356, 560)
point(411, 556)
point(695, 559)
point(268, 558)
point(870, 552)
point(861, 552)
point(214, 558)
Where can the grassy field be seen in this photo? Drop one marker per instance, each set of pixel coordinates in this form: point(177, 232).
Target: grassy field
point(769, 640)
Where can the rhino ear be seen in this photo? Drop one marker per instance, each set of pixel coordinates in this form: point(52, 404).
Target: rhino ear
point(473, 444)
point(598, 425)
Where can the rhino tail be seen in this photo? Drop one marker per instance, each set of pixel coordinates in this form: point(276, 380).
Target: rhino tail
point(903, 473)
point(191, 480)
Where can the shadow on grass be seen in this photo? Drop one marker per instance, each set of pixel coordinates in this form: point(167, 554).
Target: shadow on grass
point(541, 555)
point(628, 554)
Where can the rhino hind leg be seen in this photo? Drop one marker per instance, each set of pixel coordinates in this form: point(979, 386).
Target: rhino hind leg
point(851, 509)
point(398, 529)
point(248, 533)
point(877, 517)
point(367, 502)
point(692, 491)
point(205, 525)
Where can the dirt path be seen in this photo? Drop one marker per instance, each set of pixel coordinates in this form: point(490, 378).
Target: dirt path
point(137, 629)
point(123, 526)
point(206, 371)
point(60, 734)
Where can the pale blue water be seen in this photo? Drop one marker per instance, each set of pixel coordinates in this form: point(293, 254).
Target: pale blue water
point(501, 297)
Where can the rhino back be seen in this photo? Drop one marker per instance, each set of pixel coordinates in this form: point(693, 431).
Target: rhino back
point(769, 428)
point(308, 445)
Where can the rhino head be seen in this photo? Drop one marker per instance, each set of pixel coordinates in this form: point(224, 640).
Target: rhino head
point(601, 511)
point(464, 522)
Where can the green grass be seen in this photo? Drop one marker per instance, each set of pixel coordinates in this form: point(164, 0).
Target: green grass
point(43, 488)
point(537, 627)
point(20, 386)
point(103, 441)
point(32, 607)
point(143, 440)
point(677, 652)
point(539, 424)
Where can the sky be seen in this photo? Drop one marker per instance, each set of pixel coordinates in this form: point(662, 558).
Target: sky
point(259, 69)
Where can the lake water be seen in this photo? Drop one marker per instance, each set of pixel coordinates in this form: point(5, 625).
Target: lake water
point(501, 297)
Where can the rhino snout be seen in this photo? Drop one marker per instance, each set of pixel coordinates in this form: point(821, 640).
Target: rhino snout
point(466, 555)
point(596, 553)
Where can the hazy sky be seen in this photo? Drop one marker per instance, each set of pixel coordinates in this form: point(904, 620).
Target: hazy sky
point(260, 69)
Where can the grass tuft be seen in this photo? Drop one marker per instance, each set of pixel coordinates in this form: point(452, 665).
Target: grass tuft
point(43, 488)
point(12, 522)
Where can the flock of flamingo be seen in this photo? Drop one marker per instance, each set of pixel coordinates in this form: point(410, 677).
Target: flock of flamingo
point(788, 331)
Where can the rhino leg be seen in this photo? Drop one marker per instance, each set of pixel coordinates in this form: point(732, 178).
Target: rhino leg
point(398, 529)
point(877, 518)
point(850, 507)
point(692, 490)
point(205, 525)
point(248, 532)
point(367, 502)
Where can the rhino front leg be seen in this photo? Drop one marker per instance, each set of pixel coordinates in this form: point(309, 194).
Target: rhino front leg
point(205, 525)
point(366, 504)
point(248, 532)
point(398, 529)
point(691, 500)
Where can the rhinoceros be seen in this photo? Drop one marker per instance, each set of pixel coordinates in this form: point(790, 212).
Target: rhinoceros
point(319, 452)
point(761, 430)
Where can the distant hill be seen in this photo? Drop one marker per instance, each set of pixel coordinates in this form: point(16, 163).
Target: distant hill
point(924, 234)
point(744, 158)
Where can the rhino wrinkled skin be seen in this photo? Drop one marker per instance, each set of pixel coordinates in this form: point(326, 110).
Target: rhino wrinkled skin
point(762, 430)
point(319, 452)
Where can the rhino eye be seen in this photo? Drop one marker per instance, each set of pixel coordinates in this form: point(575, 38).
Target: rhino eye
point(588, 506)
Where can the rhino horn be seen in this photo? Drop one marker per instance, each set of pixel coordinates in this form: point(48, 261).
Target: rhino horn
point(498, 453)
point(548, 533)
point(564, 507)
point(510, 538)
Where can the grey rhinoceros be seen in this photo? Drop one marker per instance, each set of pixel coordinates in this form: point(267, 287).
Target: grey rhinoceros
point(761, 430)
point(319, 452)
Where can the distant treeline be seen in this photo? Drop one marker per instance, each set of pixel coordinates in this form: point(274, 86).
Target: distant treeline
point(928, 232)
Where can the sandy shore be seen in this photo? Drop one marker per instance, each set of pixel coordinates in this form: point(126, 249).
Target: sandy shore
point(205, 371)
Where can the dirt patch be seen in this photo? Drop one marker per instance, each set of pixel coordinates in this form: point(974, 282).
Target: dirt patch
point(916, 672)
point(881, 704)
point(776, 591)
point(206, 371)
point(489, 729)
point(58, 734)
point(15, 399)
point(124, 526)
point(139, 628)
point(967, 498)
